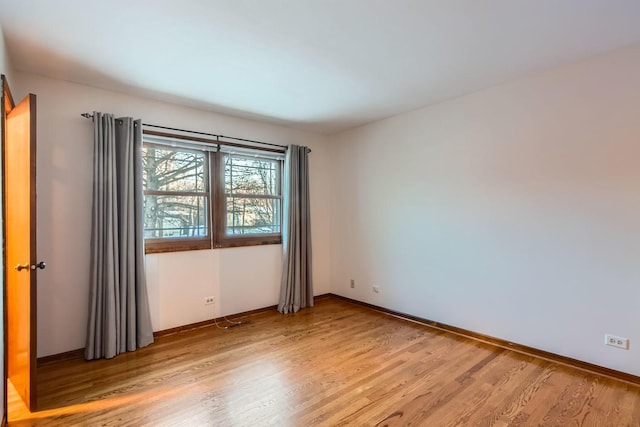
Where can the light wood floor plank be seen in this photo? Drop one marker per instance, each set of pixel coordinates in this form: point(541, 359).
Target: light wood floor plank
point(336, 364)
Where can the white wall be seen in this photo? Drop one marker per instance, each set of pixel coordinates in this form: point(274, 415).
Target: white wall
point(5, 66)
point(513, 212)
point(240, 279)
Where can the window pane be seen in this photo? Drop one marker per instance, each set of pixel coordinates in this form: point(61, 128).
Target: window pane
point(247, 175)
point(175, 216)
point(173, 170)
point(253, 215)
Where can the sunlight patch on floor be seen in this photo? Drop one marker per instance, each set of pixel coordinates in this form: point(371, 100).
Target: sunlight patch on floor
point(17, 410)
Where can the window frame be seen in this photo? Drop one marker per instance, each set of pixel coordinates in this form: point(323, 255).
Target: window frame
point(216, 212)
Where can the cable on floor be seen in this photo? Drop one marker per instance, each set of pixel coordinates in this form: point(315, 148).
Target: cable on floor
point(232, 323)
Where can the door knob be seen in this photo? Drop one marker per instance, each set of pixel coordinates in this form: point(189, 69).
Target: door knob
point(41, 265)
point(20, 267)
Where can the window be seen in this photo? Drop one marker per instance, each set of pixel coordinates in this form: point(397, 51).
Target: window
point(176, 193)
point(198, 197)
point(252, 193)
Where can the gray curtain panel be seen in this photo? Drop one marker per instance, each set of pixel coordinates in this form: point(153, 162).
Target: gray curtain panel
point(296, 289)
point(119, 318)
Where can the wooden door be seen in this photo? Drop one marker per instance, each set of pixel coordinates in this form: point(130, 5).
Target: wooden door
point(20, 238)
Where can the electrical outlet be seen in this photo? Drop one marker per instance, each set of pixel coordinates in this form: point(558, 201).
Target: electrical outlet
point(376, 289)
point(615, 341)
point(209, 300)
point(353, 283)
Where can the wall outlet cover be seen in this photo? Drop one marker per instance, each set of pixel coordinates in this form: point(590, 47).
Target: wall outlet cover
point(616, 341)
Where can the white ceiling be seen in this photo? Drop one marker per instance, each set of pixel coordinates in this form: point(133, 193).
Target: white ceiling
point(320, 65)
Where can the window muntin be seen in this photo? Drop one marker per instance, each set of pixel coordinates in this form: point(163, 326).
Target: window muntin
point(198, 197)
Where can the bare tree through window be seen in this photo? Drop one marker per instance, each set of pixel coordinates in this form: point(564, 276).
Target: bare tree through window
point(252, 190)
point(175, 183)
point(198, 197)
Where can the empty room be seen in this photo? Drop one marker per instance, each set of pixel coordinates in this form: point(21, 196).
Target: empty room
point(320, 213)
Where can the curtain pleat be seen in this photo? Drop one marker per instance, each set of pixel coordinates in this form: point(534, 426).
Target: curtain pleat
point(296, 288)
point(119, 317)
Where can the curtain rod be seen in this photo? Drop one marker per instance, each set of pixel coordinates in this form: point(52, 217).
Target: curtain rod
point(90, 116)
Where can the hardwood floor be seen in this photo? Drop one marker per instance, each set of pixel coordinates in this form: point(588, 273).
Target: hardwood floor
point(336, 364)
